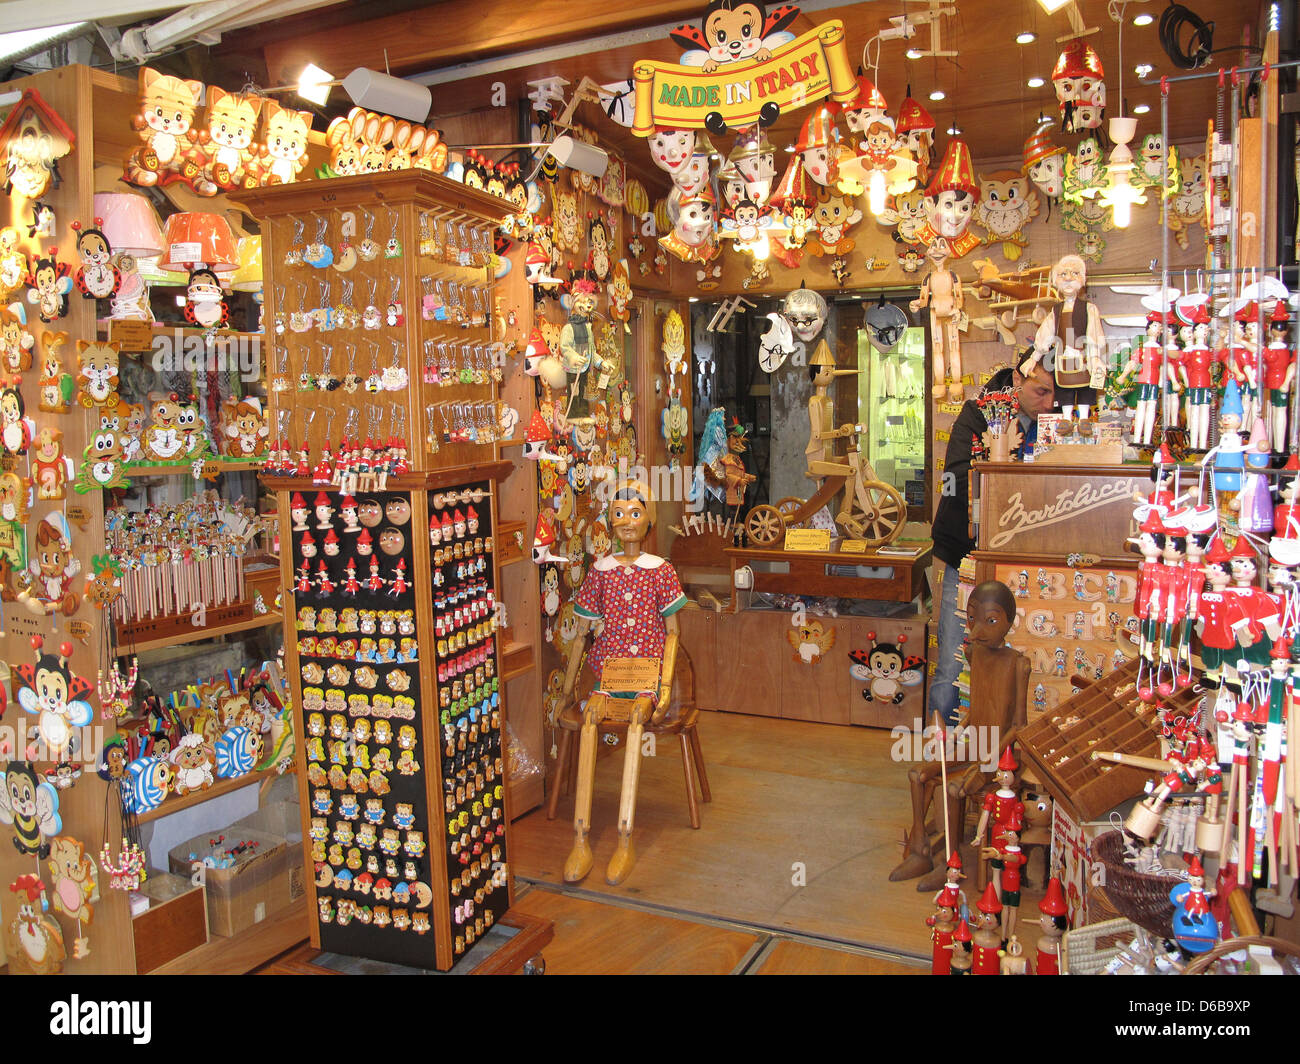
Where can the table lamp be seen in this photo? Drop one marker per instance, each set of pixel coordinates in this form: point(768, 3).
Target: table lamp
point(203, 244)
point(131, 229)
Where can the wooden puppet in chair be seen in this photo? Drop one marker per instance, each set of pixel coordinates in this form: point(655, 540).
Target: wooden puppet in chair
point(999, 681)
point(636, 595)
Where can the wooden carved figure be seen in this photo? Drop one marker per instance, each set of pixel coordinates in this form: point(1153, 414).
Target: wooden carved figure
point(56, 386)
point(165, 123)
point(97, 277)
point(999, 699)
point(51, 468)
point(1071, 343)
point(961, 949)
point(1002, 807)
point(228, 141)
point(941, 295)
point(16, 342)
point(637, 596)
point(987, 940)
point(1053, 923)
point(942, 925)
point(97, 373)
point(285, 144)
point(33, 939)
point(74, 882)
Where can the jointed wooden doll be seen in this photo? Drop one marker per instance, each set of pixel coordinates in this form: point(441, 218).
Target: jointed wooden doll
point(942, 925)
point(1071, 342)
point(1279, 374)
point(999, 699)
point(1145, 359)
point(987, 938)
point(1002, 807)
point(637, 596)
point(1197, 382)
point(941, 294)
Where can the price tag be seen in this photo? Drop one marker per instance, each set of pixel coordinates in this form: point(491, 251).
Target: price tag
point(81, 631)
point(191, 251)
point(809, 539)
point(943, 435)
point(949, 408)
point(853, 546)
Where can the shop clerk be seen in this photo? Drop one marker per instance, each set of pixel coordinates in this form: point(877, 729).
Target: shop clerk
point(1037, 395)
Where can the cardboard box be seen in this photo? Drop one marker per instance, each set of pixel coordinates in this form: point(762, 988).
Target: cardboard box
point(250, 890)
point(285, 820)
point(175, 922)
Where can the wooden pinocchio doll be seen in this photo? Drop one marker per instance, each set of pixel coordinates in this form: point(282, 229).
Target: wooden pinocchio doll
point(987, 939)
point(637, 596)
point(961, 950)
point(1002, 807)
point(1054, 924)
point(942, 925)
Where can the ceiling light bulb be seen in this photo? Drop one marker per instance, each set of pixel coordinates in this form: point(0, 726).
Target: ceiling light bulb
point(876, 192)
point(1026, 37)
point(954, 131)
point(313, 84)
point(914, 53)
point(937, 94)
point(1143, 69)
point(1143, 19)
point(1141, 109)
point(1035, 83)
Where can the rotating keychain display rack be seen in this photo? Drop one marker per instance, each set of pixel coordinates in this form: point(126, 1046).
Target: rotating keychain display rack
point(383, 375)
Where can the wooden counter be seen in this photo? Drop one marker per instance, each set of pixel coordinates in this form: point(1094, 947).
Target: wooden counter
point(807, 573)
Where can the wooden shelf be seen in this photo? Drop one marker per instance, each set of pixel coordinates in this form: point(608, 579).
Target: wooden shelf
point(165, 328)
point(242, 953)
point(522, 653)
point(175, 805)
point(429, 480)
point(211, 467)
point(265, 620)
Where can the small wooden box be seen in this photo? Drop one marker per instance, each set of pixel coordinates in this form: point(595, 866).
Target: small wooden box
point(175, 922)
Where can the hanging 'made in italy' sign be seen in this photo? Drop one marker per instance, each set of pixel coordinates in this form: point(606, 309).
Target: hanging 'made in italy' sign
point(740, 93)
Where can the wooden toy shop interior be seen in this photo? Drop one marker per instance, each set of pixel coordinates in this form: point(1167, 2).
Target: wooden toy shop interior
point(738, 359)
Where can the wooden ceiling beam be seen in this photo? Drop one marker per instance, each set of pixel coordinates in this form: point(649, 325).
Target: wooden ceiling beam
point(462, 31)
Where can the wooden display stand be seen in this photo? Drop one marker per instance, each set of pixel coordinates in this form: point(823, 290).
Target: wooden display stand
point(808, 573)
point(446, 740)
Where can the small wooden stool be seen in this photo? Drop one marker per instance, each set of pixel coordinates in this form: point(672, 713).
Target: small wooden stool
point(682, 721)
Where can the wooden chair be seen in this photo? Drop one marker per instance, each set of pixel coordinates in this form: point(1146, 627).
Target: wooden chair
point(682, 720)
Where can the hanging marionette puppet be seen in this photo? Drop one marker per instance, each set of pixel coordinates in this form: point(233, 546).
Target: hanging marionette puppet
point(578, 347)
point(1279, 374)
point(1197, 382)
point(1072, 340)
point(916, 136)
point(1145, 360)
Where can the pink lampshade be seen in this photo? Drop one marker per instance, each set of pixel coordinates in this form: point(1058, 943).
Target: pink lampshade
point(196, 237)
point(129, 223)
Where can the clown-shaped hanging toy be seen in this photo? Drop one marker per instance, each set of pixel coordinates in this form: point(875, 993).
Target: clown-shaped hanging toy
point(56, 696)
point(578, 345)
point(692, 178)
point(866, 110)
point(1044, 164)
point(692, 238)
point(950, 201)
point(1080, 87)
point(818, 146)
point(916, 136)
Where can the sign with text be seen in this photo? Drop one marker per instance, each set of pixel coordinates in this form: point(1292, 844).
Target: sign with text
point(629, 675)
point(853, 546)
point(805, 70)
point(1057, 512)
point(132, 335)
point(812, 539)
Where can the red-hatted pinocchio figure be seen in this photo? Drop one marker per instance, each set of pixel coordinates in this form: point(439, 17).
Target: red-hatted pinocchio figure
point(1197, 380)
point(1146, 602)
point(942, 925)
point(987, 939)
point(1001, 804)
point(1239, 360)
point(1279, 374)
point(961, 949)
point(1146, 361)
point(1194, 926)
point(1013, 863)
point(953, 880)
point(351, 585)
point(1054, 923)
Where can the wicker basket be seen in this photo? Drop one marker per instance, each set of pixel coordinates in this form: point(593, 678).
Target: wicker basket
point(1139, 896)
point(1087, 950)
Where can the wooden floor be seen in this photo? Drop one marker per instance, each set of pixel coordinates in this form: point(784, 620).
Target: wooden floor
point(805, 824)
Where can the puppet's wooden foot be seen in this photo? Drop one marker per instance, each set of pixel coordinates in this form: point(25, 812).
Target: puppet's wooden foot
point(579, 861)
point(919, 860)
point(620, 865)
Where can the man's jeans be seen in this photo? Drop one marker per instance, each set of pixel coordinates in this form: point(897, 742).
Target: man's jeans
point(952, 632)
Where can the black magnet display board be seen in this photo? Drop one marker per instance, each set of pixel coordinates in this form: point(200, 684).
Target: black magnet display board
point(373, 773)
